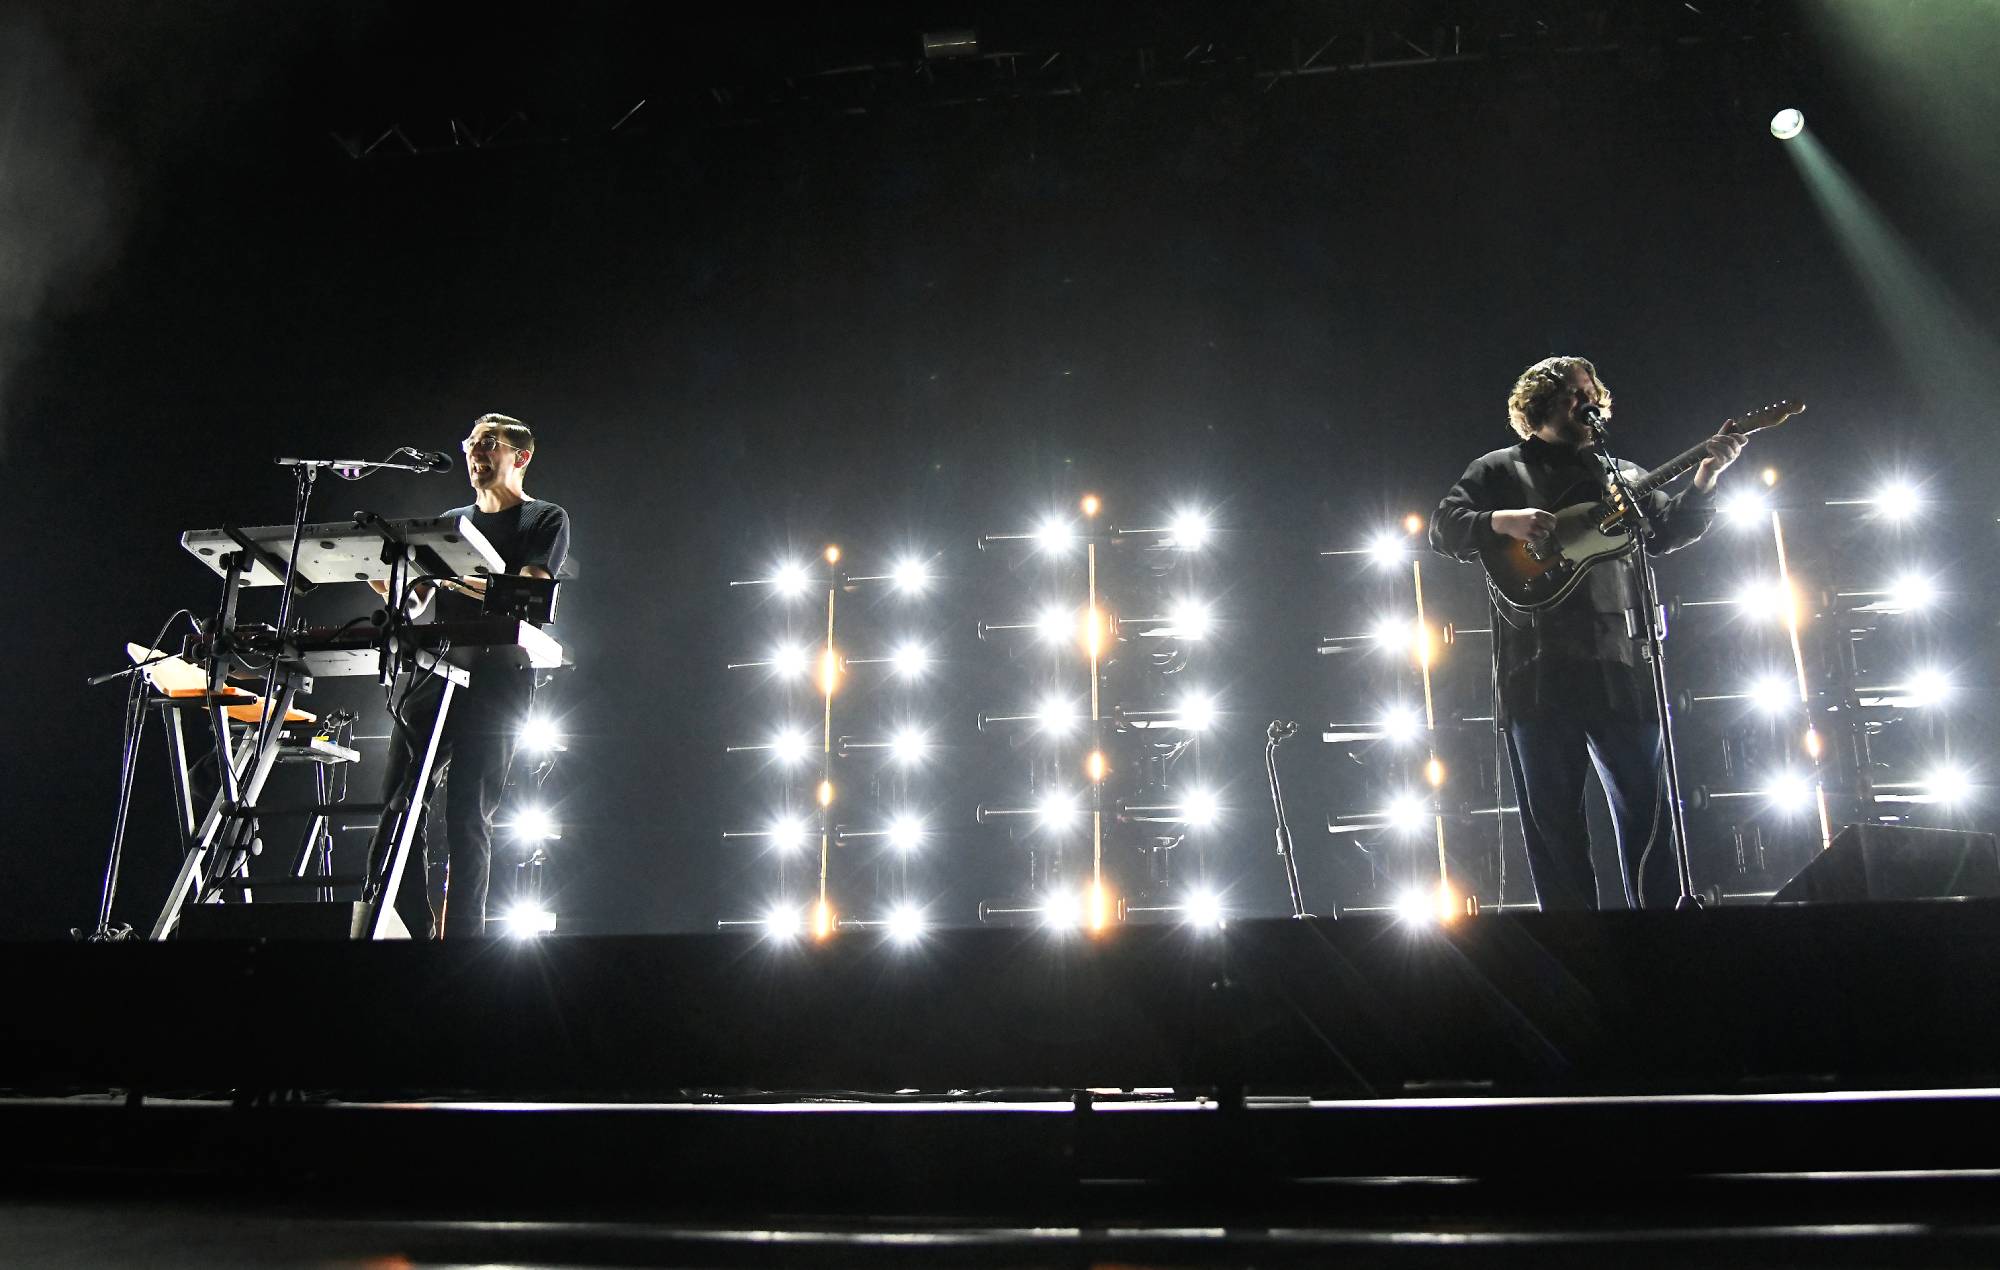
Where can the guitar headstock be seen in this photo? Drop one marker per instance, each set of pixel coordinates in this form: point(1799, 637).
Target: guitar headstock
point(1767, 417)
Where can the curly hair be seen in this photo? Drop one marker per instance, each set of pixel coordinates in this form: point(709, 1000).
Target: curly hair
point(1528, 404)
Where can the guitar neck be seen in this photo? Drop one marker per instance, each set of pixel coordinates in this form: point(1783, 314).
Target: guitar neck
point(1670, 469)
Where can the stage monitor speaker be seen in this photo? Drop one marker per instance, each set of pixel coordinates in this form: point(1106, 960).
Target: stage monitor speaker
point(1897, 862)
point(283, 920)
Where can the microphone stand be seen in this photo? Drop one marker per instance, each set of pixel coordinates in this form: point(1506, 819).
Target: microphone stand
point(1283, 730)
point(1656, 658)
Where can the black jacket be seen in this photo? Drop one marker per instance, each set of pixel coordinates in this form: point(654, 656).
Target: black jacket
point(1586, 654)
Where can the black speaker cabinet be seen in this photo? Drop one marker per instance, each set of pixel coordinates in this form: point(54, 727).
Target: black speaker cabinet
point(1897, 862)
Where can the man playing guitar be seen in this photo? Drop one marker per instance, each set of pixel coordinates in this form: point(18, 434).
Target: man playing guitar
point(1574, 686)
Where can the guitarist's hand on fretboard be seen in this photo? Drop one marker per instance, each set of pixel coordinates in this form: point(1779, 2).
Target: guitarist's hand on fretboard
point(1723, 448)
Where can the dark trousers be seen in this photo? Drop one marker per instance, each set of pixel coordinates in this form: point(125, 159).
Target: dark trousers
point(481, 732)
point(1549, 757)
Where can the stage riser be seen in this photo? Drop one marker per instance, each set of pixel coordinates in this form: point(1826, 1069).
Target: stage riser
point(1717, 1000)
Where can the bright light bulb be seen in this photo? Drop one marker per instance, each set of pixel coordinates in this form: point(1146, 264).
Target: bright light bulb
point(1387, 550)
point(539, 735)
point(1401, 724)
point(789, 747)
point(825, 793)
point(1190, 530)
point(1744, 507)
point(1055, 535)
point(1055, 810)
point(1190, 619)
point(1791, 792)
point(1897, 500)
point(790, 660)
point(788, 835)
point(1394, 633)
point(906, 923)
point(1095, 766)
point(781, 922)
point(910, 660)
point(910, 576)
point(1198, 808)
point(1788, 123)
point(1913, 592)
point(1928, 688)
point(1763, 601)
point(1203, 909)
point(1416, 905)
point(1407, 813)
point(525, 921)
point(909, 745)
point(533, 824)
point(1090, 504)
point(1948, 786)
point(1052, 624)
point(1197, 711)
point(1054, 715)
point(823, 923)
point(1772, 694)
point(1063, 910)
point(906, 833)
point(790, 579)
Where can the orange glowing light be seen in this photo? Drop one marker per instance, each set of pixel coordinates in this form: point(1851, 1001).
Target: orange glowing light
point(825, 793)
point(1097, 904)
point(1095, 766)
point(1091, 504)
point(1434, 771)
point(1424, 644)
point(1094, 630)
point(829, 671)
point(1449, 907)
point(1770, 477)
point(1813, 744)
point(832, 554)
point(823, 923)
point(1413, 524)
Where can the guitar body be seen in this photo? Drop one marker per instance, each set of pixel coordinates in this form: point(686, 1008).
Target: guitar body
point(1587, 533)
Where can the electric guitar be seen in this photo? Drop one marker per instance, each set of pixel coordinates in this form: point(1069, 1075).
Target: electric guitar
point(1593, 526)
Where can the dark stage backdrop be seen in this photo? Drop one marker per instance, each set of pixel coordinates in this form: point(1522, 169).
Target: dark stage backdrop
point(1301, 303)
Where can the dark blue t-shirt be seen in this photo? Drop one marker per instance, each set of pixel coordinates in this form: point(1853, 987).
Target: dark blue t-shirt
point(534, 532)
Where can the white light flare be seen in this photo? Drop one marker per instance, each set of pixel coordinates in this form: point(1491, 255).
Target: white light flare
point(906, 833)
point(791, 747)
point(1402, 724)
point(1948, 786)
point(1197, 712)
point(1745, 508)
point(1190, 530)
point(909, 745)
point(1055, 536)
point(1203, 910)
point(1056, 810)
point(1190, 619)
point(1407, 813)
point(525, 921)
point(1199, 808)
point(1055, 716)
point(534, 824)
point(910, 576)
point(906, 923)
point(790, 579)
point(1387, 550)
point(782, 922)
point(1897, 501)
point(789, 661)
point(910, 660)
point(1790, 793)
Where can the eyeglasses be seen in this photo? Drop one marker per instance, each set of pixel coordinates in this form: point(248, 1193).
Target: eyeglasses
point(485, 443)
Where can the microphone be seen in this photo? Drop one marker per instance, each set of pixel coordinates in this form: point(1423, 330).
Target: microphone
point(433, 460)
point(1593, 416)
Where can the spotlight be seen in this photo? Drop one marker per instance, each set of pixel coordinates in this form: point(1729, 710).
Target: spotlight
point(1394, 633)
point(1416, 906)
point(1197, 711)
point(906, 923)
point(1912, 593)
point(1765, 601)
point(1052, 624)
point(788, 834)
point(781, 922)
point(1744, 507)
point(906, 833)
point(790, 747)
point(910, 576)
point(1791, 792)
point(1090, 504)
point(1401, 724)
point(1407, 813)
point(1056, 810)
point(1054, 716)
point(789, 661)
point(1190, 619)
point(1198, 808)
point(1095, 766)
point(1063, 910)
point(1928, 688)
point(1897, 500)
point(910, 660)
point(1948, 786)
point(1055, 536)
point(540, 735)
point(791, 579)
point(533, 824)
point(1772, 694)
point(1190, 530)
point(1203, 909)
point(1787, 123)
point(525, 921)
point(1388, 550)
point(908, 745)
